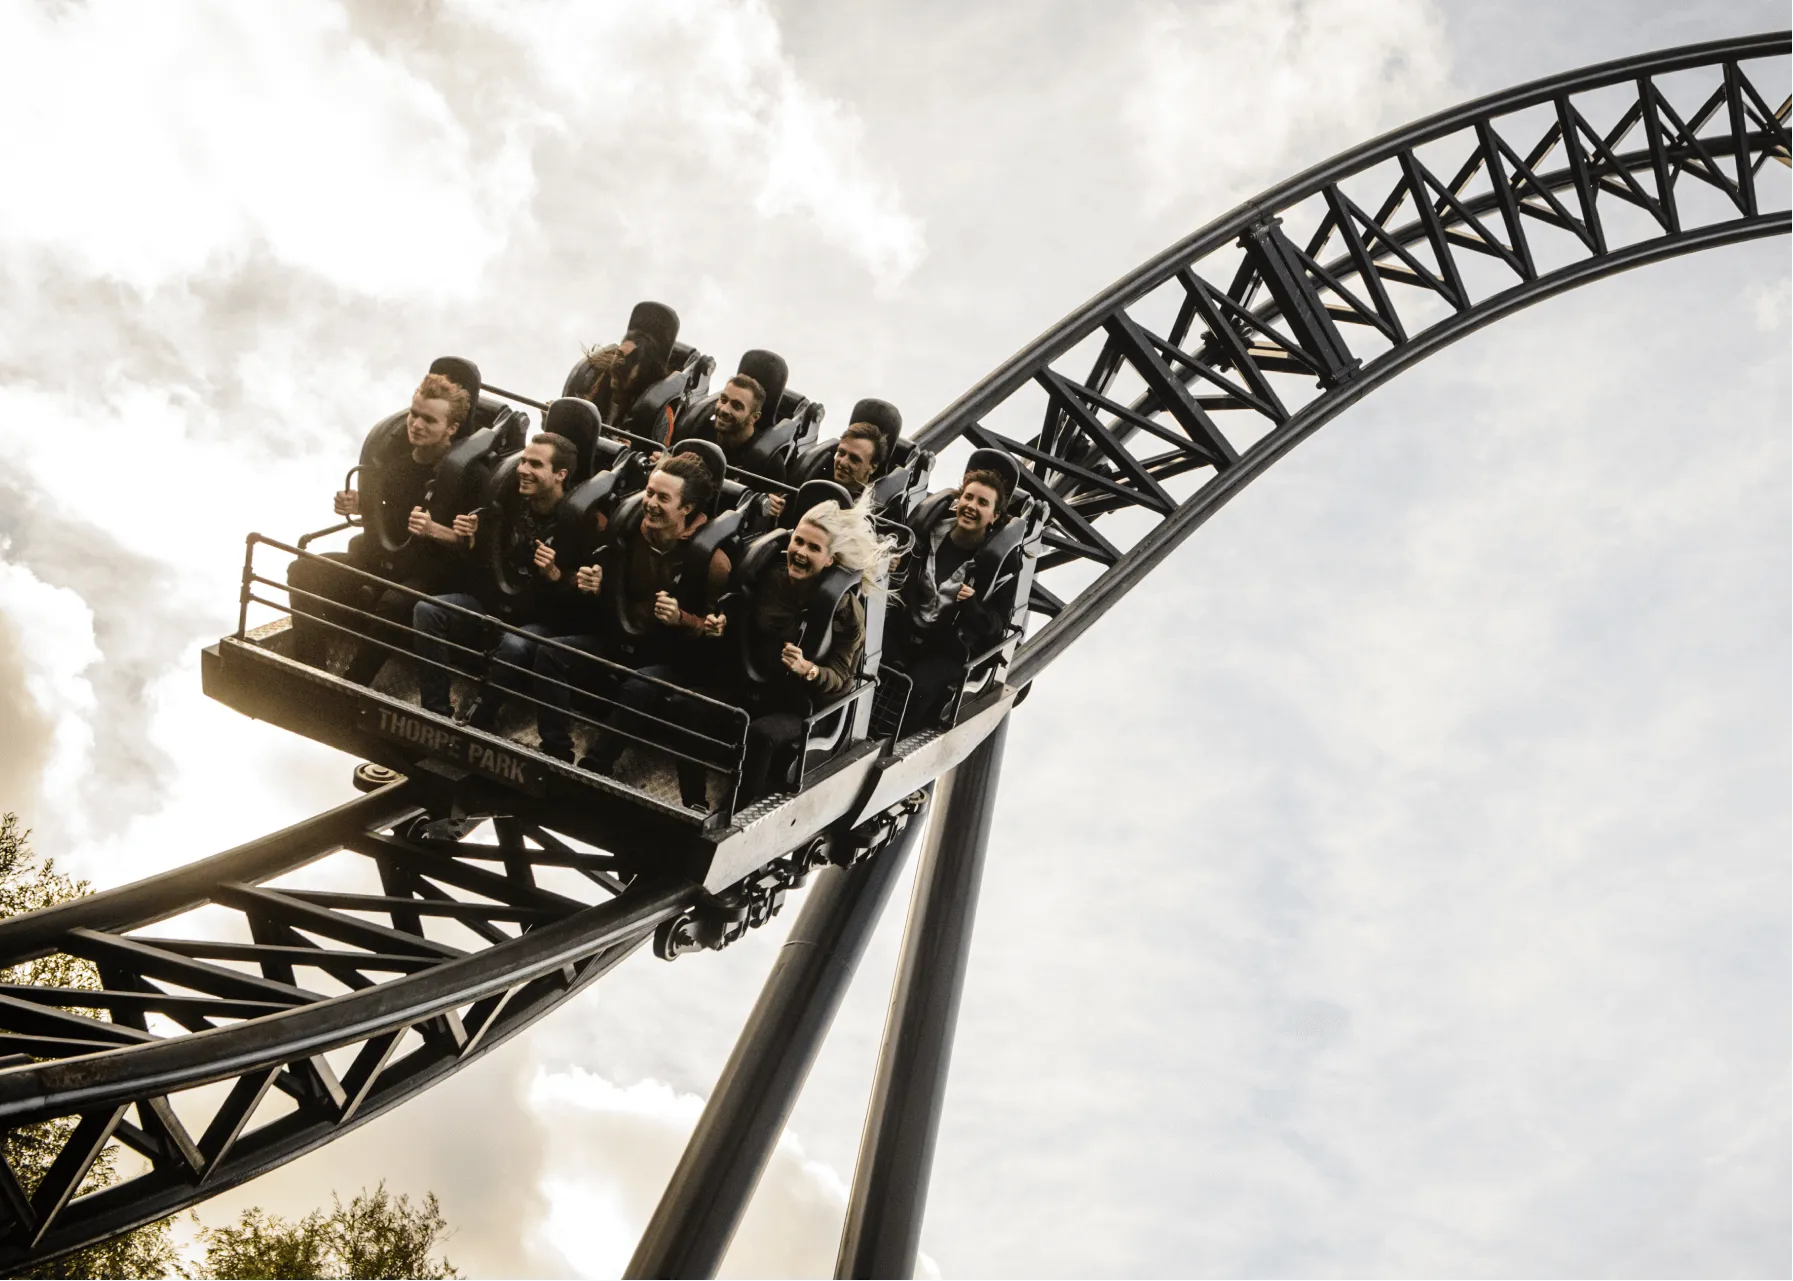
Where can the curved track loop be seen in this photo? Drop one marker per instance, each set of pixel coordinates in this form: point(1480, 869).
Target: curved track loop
point(242, 1019)
point(1231, 347)
point(207, 1025)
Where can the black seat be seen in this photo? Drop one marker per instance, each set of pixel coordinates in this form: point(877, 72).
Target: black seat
point(586, 511)
point(656, 410)
point(809, 494)
point(384, 444)
point(812, 462)
point(649, 317)
point(464, 374)
point(998, 461)
point(579, 422)
point(720, 530)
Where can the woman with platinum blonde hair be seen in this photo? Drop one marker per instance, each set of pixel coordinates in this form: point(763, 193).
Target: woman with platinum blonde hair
point(794, 684)
point(853, 541)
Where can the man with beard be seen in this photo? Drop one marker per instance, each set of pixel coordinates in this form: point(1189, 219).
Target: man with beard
point(794, 686)
point(427, 562)
point(454, 619)
point(647, 627)
point(942, 621)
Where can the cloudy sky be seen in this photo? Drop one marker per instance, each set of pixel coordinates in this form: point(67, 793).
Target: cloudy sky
point(1398, 885)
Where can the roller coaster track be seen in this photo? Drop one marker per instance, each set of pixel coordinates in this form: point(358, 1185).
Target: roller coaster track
point(199, 1028)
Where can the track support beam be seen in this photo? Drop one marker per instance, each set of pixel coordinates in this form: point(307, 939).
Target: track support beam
point(896, 1153)
point(708, 1194)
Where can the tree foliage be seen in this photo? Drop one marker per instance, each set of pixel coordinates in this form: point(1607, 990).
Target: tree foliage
point(375, 1235)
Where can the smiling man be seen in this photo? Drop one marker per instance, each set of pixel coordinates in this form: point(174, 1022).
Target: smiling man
point(427, 561)
point(526, 554)
point(653, 578)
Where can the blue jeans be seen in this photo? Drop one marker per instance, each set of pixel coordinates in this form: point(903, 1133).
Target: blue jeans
point(437, 625)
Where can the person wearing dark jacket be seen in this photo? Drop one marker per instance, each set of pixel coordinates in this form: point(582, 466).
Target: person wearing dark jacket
point(943, 621)
point(640, 577)
point(746, 406)
point(793, 686)
point(427, 562)
point(453, 622)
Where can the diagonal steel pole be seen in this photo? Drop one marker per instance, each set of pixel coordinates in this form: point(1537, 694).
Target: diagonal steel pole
point(709, 1191)
point(896, 1153)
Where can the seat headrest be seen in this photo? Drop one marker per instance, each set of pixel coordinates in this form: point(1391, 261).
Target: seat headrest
point(464, 374)
point(768, 369)
point(812, 493)
point(581, 380)
point(883, 415)
point(762, 553)
point(1000, 462)
point(579, 421)
point(714, 459)
point(658, 319)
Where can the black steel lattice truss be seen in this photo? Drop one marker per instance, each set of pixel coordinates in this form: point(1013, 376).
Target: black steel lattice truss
point(1227, 350)
point(242, 1017)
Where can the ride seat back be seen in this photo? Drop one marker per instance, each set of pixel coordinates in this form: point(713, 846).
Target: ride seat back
point(579, 421)
point(465, 375)
point(384, 443)
point(812, 493)
point(655, 413)
point(494, 582)
point(464, 475)
point(586, 511)
point(813, 461)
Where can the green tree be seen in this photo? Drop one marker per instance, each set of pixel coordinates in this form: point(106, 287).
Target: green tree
point(26, 884)
point(375, 1235)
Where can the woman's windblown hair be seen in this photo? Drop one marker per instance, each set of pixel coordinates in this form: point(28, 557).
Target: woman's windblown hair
point(852, 538)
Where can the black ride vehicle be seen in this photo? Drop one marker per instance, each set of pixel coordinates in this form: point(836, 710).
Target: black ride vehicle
point(849, 764)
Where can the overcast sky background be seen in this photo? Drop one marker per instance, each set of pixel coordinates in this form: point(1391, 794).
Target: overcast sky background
point(1397, 885)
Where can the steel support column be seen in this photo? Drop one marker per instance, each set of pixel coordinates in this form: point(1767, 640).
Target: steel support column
point(709, 1191)
point(896, 1152)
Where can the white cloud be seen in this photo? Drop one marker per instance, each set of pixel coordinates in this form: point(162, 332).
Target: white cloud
point(615, 1149)
point(54, 628)
point(169, 139)
point(1770, 301)
point(705, 86)
point(1232, 94)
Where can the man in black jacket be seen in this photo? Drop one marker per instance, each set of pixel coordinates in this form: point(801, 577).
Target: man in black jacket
point(453, 621)
point(427, 562)
point(649, 580)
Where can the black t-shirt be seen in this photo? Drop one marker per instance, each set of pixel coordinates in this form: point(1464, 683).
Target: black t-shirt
point(950, 556)
point(405, 484)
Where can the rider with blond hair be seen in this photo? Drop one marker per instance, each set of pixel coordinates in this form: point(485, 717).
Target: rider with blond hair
point(827, 535)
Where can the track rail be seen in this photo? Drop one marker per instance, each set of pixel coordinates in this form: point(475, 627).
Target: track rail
point(1227, 350)
point(284, 1016)
point(210, 1024)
